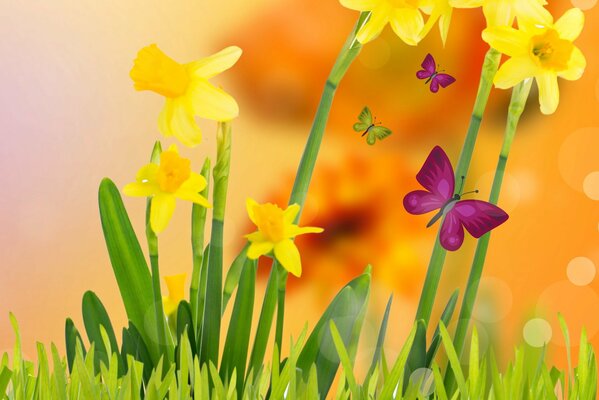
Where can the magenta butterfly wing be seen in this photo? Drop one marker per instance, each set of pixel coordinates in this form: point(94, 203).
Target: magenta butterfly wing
point(452, 232)
point(429, 67)
point(442, 80)
point(436, 176)
point(478, 217)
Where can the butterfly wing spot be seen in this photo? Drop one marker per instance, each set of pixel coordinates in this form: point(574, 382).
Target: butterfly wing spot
point(452, 232)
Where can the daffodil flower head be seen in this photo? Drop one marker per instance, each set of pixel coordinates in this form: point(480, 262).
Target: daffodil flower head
point(186, 89)
point(176, 292)
point(503, 12)
point(543, 50)
point(276, 230)
point(439, 10)
point(404, 17)
point(164, 183)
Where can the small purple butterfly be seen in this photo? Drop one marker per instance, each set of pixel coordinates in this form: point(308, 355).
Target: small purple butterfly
point(437, 177)
point(430, 73)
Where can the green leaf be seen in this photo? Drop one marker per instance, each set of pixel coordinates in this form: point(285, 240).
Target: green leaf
point(94, 317)
point(446, 318)
point(454, 362)
point(134, 346)
point(238, 334)
point(379, 342)
point(345, 360)
point(395, 376)
point(129, 265)
point(72, 336)
point(5, 376)
point(185, 325)
point(417, 357)
point(233, 275)
point(346, 310)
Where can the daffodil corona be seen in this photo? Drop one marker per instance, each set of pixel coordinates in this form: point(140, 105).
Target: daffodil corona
point(404, 17)
point(164, 182)
point(540, 49)
point(275, 233)
point(176, 292)
point(186, 90)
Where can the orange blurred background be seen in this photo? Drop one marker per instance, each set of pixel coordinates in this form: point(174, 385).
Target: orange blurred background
point(70, 117)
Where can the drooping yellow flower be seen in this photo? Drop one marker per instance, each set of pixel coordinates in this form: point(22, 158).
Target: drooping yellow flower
point(176, 292)
point(439, 10)
point(186, 89)
point(404, 17)
point(540, 49)
point(503, 12)
point(164, 182)
point(275, 233)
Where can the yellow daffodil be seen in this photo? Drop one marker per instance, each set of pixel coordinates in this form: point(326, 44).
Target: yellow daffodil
point(164, 182)
point(404, 17)
point(176, 293)
point(275, 233)
point(186, 89)
point(540, 49)
point(439, 10)
point(503, 12)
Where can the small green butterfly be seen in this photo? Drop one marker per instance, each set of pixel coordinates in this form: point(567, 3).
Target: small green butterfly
point(370, 127)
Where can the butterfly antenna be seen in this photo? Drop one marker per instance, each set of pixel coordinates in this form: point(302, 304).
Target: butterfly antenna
point(470, 192)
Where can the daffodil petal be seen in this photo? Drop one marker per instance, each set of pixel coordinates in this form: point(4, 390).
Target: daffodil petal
point(176, 286)
point(215, 64)
point(137, 189)
point(170, 306)
point(161, 211)
point(576, 66)
point(360, 5)
point(532, 10)
point(407, 23)
point(548, 92)
point(294, 230)
point(374, 26)
point(507, 40)
point(173, 147)
point(165, 117)
point(444, 23)
point(249, 205)
point(195, 183)
point(570, 24)
point(465, 3)
point(255, 237)
point(147, 173)
point(177, 118)
point(258, 249)
point(291, 212)
point(514, 71)
point(288, 255)
point(212, 103)
point(499, 13)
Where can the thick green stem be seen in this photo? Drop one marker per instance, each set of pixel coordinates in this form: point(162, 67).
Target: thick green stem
point(517, 104)
point(163, 333)
point(435, 267)
point(348, 54)
point(214, 279)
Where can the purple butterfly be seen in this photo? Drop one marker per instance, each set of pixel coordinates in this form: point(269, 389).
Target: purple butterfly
point(429, 72)
point(437, 177)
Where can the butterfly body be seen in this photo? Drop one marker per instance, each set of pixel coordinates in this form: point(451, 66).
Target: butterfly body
point(370, 128)
point(435, 78)
point(476, 216)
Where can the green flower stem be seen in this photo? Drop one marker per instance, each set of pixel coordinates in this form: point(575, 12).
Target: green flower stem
point(198, 222)
point(163, 333)
point(214, 287)
point(348, 54)
point(435, 267)
point(517, 104)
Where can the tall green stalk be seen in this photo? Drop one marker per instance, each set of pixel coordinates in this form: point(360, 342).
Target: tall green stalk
point(163, 333)
point(435, 266)
point(516, 108)
point(348, 54)
point(214, 289)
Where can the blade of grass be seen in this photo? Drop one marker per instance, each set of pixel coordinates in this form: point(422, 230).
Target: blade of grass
point(446, 318)
point(395, 376)
point(345, 361)
point(379, 342)
point(233, 275)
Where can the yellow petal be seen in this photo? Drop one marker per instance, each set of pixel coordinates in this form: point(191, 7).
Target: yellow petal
point(194, 184)
point(444, 23)
point(258, 249)
point(499, 13)
point(161, 211)
point(147, 173)
point(514, 71)
point(177, 118)
point(173, 147)
point(507, 40)
point(169, 305)
point(176, 286)
point(570, 24)
point(576, 66)
point(360, 5)
point(374, 26)
point(216, 63)
point(212, 103)
point(291, 212)
point(533, 11)
point(465, 3)
point(407, 23)
point(137, 189)
point(294, 230)
point(249, 205)
point(255, 237)
point(288, 255)
point(548, 92)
